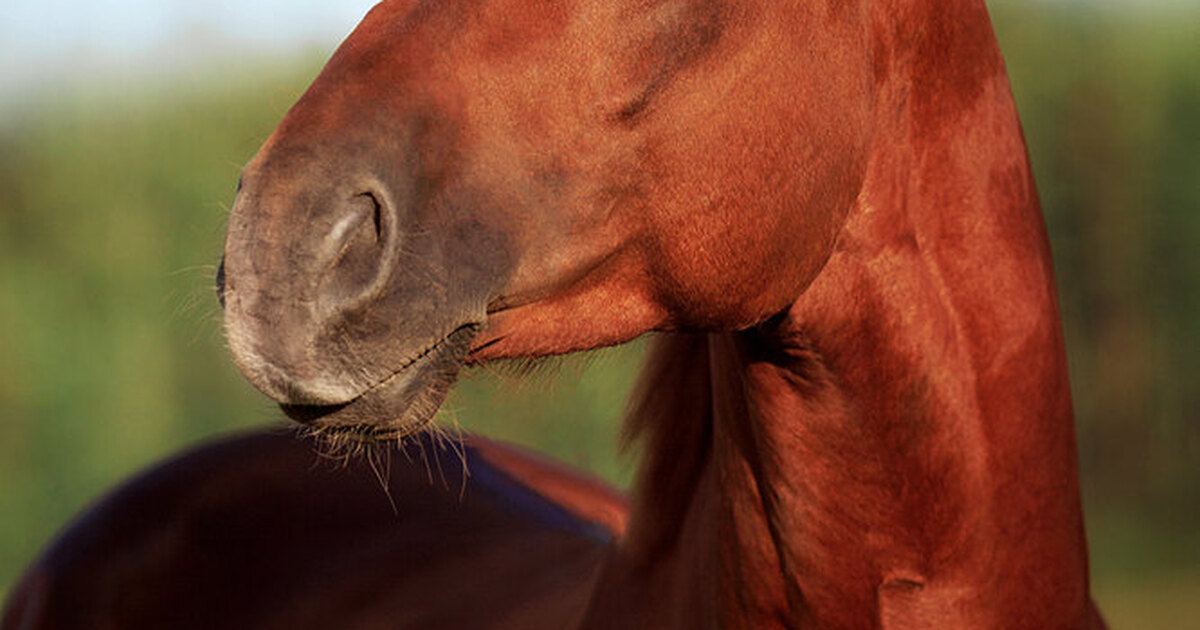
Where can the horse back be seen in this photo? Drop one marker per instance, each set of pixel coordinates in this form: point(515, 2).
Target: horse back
point(257, 531)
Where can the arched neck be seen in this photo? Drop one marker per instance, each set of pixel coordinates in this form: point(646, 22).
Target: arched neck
point(896, 449)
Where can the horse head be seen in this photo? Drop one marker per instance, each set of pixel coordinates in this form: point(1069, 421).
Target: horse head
point(470, 181)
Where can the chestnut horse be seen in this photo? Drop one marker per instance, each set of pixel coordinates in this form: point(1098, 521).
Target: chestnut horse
point(859, 415)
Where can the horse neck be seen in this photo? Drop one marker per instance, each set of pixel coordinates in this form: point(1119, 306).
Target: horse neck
point(900, 442)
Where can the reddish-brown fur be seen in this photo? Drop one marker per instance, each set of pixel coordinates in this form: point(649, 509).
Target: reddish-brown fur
point(858, 415)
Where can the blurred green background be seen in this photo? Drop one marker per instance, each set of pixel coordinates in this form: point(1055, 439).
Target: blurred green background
point(113, 199)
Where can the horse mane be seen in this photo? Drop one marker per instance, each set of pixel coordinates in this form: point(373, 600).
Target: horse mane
point(670, 421)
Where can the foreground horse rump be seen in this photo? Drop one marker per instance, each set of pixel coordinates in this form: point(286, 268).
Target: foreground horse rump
point(860, 416)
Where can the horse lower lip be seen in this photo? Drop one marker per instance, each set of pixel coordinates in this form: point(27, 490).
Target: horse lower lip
point(388, 405)
point(330, 415)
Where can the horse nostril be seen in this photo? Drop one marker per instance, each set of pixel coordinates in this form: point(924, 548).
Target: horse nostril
point(378, 216)
point(356, 250)
point(220, 281)
point(363, 219)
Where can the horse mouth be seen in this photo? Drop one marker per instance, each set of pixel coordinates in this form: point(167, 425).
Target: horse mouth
point(399, 405)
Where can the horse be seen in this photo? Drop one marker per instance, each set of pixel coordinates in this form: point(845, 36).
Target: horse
point(855, 412)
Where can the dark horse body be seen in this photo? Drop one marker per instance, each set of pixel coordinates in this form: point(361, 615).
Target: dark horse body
point(258, 532)
point(859, 416)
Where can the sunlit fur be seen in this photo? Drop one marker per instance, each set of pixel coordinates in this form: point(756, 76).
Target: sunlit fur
point(857, 415)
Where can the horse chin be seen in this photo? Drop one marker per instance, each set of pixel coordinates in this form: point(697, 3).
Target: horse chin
point(402, 404)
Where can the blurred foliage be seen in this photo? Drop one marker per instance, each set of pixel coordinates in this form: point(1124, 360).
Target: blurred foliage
point(1110, 101)
point(112, 210)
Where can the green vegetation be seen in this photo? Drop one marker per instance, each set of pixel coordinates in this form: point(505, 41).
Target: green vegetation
point(1111, 107)
point(112, 210)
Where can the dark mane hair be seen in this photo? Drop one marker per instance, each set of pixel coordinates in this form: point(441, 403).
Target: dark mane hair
point(670, 421)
